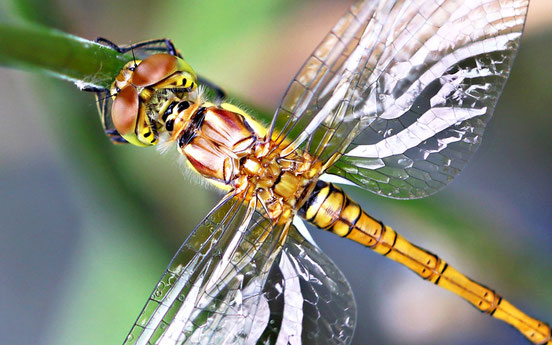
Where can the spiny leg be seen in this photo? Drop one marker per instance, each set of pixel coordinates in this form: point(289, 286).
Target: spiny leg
point(152, 45)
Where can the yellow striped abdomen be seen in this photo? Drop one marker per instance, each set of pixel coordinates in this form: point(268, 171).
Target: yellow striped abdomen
point(329, 208)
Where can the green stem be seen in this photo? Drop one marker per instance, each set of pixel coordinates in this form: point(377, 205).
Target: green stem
point(68, 57)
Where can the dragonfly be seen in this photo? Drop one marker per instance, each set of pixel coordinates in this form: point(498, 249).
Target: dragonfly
point(394, 100)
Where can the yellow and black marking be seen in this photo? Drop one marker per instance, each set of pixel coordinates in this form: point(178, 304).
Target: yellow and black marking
point(182, 82)
point(146, 129)
point(171, 110)
point(329, 208)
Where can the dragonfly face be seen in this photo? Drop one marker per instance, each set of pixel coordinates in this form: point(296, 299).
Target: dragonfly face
point(142, 88)
point(394, 100)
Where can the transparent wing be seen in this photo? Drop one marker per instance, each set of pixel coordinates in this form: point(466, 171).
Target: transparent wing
point(311, 114)
point(231, 283)
point(211, 293)
point(436, 87)
point(308, 297)
point(403, 89)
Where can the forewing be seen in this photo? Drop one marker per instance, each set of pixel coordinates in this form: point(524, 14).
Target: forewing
point(315, 103)
point(309, 298)
point(211, 293)
point(436, 84)
point(405, 91)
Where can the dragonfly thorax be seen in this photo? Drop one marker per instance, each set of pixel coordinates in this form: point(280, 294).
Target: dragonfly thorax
point(224, 145)
point(282, 183)
point(215, 140)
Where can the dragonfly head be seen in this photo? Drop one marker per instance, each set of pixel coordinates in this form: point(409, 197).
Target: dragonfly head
point(135, 85)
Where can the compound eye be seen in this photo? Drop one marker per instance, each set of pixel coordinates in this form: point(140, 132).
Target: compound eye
point(125, 110)
point(154, 69)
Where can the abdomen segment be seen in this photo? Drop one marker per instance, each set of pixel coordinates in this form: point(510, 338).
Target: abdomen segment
point(329, 208)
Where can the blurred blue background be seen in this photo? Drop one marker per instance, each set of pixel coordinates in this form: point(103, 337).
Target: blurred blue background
point(87, 228)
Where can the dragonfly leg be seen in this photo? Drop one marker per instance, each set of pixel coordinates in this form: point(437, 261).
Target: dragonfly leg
point(89, 88)
point(331, 209)
point(157, 45)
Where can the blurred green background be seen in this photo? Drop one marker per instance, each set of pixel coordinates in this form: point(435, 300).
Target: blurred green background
point(86, 228)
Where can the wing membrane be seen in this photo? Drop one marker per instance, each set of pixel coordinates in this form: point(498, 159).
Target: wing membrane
point(409, 94)
point(310, 300)
point(435, 96)
point(318, 97)
point(223, 288)
point(211, 291)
